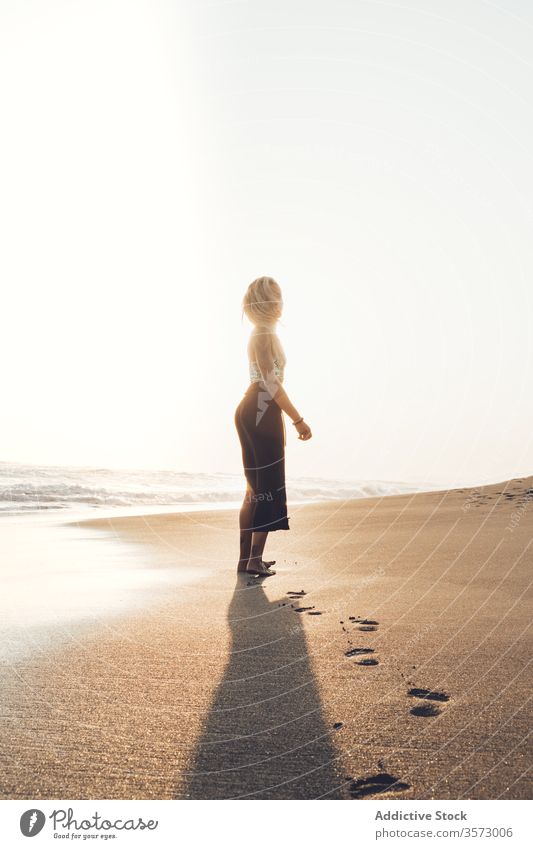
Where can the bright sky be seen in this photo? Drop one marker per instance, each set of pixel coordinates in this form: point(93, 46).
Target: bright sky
point(374, 157)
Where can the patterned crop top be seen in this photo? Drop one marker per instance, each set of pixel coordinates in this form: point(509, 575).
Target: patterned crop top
point(255, 374)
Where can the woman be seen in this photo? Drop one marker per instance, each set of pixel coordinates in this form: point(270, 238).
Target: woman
point(261, 429)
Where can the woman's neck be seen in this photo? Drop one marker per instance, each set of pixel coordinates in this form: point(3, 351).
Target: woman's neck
point(269, 327)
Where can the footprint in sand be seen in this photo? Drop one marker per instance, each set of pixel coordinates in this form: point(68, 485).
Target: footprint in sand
point(383, 782)
point(425, 710)
point(354, 652)
point(367, 626)
point(297, 594)
point(428, 696)
point(364, 624)
point(432, 695)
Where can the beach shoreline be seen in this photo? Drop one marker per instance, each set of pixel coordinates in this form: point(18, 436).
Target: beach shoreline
point(399, 672)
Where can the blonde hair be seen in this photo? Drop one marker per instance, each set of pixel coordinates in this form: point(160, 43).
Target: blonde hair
point(261, 301)
point(260, 305)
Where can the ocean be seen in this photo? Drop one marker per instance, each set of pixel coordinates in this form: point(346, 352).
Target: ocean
point(28, 488)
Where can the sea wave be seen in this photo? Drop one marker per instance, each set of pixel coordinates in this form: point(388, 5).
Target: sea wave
point(25, 488)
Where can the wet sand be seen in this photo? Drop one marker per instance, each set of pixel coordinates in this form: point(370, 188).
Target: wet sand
point(387, 658)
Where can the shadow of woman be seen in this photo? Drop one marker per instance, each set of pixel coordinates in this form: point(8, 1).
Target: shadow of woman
point(265, 736)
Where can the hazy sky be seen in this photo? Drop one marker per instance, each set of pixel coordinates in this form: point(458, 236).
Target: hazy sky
point(374, 157)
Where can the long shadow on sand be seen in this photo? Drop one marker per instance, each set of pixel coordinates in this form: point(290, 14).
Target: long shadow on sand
point(265, 736)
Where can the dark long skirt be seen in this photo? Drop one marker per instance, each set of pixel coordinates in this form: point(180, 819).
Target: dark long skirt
point(261, 429)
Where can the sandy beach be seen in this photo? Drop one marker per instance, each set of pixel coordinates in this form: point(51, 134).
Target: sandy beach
point(388, 657)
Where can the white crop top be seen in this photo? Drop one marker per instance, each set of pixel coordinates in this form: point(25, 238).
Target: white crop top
point(255, 374)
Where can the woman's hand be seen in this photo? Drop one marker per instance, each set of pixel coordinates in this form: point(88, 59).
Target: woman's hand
point(304, 431)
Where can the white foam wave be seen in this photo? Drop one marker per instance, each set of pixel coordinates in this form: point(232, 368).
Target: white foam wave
point(25, 488)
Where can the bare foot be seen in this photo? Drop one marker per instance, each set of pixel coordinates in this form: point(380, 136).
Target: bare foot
point(260, 570)
point(264, 563)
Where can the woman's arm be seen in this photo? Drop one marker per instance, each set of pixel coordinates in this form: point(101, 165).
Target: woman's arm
point(272, 384)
